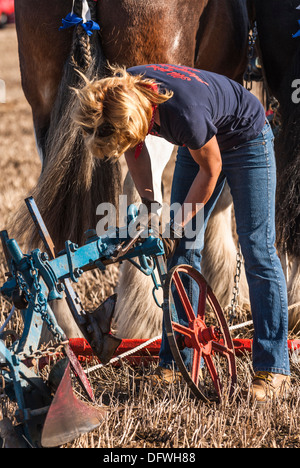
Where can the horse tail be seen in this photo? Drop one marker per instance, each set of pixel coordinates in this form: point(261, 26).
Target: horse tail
point(72, 182)
point(288, 163)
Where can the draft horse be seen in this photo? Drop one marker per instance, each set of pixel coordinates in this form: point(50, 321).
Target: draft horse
point(208, 34)
point(279, 49)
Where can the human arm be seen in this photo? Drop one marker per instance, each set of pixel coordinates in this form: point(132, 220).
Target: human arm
point(141, 172)
point(210, 165)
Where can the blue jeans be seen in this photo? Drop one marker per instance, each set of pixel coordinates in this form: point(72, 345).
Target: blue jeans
point(250, 171)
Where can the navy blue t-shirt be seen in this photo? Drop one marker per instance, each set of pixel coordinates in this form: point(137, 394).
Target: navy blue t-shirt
point(204, 105)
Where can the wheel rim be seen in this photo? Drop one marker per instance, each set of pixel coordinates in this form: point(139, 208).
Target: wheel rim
point(205, 333)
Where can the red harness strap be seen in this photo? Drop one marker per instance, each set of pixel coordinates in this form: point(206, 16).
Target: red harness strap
point(154, 107)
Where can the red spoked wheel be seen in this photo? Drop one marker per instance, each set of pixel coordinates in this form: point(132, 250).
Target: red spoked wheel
point(212, 371)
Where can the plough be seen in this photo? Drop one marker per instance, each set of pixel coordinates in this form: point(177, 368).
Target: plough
point(48, 412)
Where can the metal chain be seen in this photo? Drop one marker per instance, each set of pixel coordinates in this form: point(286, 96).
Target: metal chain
point(39, 303)
point(48, 351)
point(234, 305)
point(3, 397)
point(40, 306)
point(251, 49)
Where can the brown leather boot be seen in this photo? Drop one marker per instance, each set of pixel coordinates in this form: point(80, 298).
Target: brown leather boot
point(165, 376)
point(266, 385)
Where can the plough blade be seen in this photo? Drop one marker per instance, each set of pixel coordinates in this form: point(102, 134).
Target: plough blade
point(68, 417)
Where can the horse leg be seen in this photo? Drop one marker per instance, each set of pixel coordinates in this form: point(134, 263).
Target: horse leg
point(291, 270)
point(37, 26)
point(41, 72)
point(136, 314)
point(136, 33)
point(222, 38)
point(280, 56)
point(220, 251)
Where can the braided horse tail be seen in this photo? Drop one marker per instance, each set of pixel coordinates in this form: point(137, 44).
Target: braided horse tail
point(72, 183)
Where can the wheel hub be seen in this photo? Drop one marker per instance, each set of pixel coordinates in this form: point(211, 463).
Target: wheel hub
point(202, 336)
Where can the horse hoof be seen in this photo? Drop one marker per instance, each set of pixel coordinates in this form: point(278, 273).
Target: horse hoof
point(110, 344)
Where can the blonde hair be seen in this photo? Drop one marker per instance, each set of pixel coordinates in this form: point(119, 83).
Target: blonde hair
point(115, 112)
